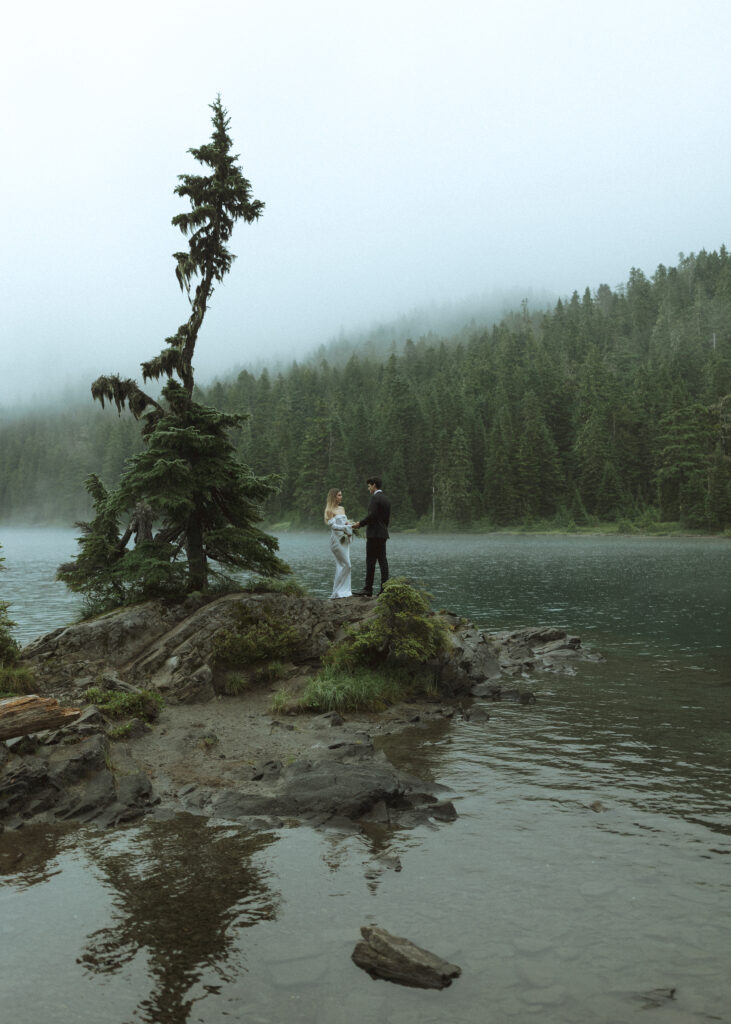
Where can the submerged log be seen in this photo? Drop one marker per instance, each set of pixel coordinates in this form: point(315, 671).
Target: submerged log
point(22, 715)
point(387, 956)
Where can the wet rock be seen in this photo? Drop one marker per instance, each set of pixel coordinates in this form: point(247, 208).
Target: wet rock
point(326, 790)
point(271, 769)
point(22, 744)
point(475, 714)
point(135, 789)
point(354, 745)
point(491, 691)
point(63, 782)
point(399, 960)
point(517, 696)
point(488, 690)
point(656, 998)
point(68, 764)
point(90, 722)
point(444, 811)
point(329, 720)
point(88, 801)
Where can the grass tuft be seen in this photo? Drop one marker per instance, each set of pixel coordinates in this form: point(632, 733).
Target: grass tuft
point(145, 704)
point(17, 680)
point(359, 689)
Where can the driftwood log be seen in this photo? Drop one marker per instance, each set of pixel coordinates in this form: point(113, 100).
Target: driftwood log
point(22, 715)
point(387, 956)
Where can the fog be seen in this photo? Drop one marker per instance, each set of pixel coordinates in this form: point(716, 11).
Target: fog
point(412, 155)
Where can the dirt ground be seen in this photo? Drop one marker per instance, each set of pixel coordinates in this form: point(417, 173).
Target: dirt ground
point(227, 741)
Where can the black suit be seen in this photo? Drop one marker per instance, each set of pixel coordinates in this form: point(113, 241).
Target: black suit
point(376, 523)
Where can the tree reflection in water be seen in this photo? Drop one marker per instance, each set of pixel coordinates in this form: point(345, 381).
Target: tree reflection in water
point(182, 889)
point(28, 857)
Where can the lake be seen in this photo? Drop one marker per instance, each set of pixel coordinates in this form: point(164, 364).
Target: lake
point(585, 878)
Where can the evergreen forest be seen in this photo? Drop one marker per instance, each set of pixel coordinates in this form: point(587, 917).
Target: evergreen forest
point(613, 407)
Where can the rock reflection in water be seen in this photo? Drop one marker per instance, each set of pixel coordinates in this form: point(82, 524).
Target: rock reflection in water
point(181, 890)
point(29, 856)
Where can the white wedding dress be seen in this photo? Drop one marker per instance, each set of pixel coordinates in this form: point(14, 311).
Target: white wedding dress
point(340, 537)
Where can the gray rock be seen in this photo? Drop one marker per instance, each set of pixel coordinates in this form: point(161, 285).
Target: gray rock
point(444, 811)
point(271, 769)
point(89, 800)
point(476, 714)
point(22, 744)
point(329, 720)
point(325, 791)
point(90, 721)
point(396, 959)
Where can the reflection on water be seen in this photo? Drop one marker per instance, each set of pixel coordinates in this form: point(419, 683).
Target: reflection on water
point(181, 893)
point(588, 866)
point(594, 736)
point(177, 894)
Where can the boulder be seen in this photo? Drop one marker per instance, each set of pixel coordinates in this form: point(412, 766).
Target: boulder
point(328, 790)
point(396, 959)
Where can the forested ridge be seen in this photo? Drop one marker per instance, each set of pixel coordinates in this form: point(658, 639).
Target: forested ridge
point(614, 406)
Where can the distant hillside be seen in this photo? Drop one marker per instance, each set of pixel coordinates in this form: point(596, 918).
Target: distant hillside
point(612, 405)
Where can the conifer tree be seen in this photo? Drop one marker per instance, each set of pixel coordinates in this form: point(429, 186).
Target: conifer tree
point(9, 649)
point(186, 478)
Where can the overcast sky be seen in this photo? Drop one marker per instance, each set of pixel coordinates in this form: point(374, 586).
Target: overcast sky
point(409, 153)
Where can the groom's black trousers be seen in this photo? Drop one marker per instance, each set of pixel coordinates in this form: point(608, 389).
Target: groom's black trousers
point(375, 552)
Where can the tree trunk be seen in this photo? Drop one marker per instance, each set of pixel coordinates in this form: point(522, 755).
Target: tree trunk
point(22, 715)
point(197, 569)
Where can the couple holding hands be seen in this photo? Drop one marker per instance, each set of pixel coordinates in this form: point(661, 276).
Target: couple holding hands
point(341, 533)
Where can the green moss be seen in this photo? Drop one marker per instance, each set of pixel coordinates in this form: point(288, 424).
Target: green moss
point(120, 732)
point(144, 704)
point(266, 637)
point(267, 585)
point(403, 632)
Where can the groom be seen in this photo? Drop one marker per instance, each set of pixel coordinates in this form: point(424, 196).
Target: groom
point(376, 523)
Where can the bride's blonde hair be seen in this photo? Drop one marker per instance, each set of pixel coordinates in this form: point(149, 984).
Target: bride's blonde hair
point(332, 503)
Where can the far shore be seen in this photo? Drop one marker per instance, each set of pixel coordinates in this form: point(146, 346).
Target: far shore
point(670, 531)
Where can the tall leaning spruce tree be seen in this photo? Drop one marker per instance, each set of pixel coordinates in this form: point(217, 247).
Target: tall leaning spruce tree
point(190, 500)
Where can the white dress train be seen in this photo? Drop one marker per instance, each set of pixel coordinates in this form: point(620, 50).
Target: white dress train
point(340, 537)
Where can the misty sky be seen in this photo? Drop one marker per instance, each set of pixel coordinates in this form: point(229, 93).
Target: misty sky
point(409, 153)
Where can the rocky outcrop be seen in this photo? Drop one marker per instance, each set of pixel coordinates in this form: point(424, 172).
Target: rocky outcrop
point(172, 649)
point(392, 958)
point(334, 789)
point(57, 782)
point(75, 773)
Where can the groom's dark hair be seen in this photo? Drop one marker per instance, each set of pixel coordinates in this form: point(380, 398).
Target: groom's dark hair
point(375, 480)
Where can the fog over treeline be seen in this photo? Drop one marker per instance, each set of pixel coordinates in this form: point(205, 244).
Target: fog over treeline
point(612, 405)
point(443, 320)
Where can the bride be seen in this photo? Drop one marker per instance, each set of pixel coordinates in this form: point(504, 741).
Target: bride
point(341, 534)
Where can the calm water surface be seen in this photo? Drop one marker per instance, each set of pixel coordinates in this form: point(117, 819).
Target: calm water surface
point(587, 870)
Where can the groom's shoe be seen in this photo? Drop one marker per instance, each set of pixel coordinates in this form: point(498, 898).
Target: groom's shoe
point(362, 593)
